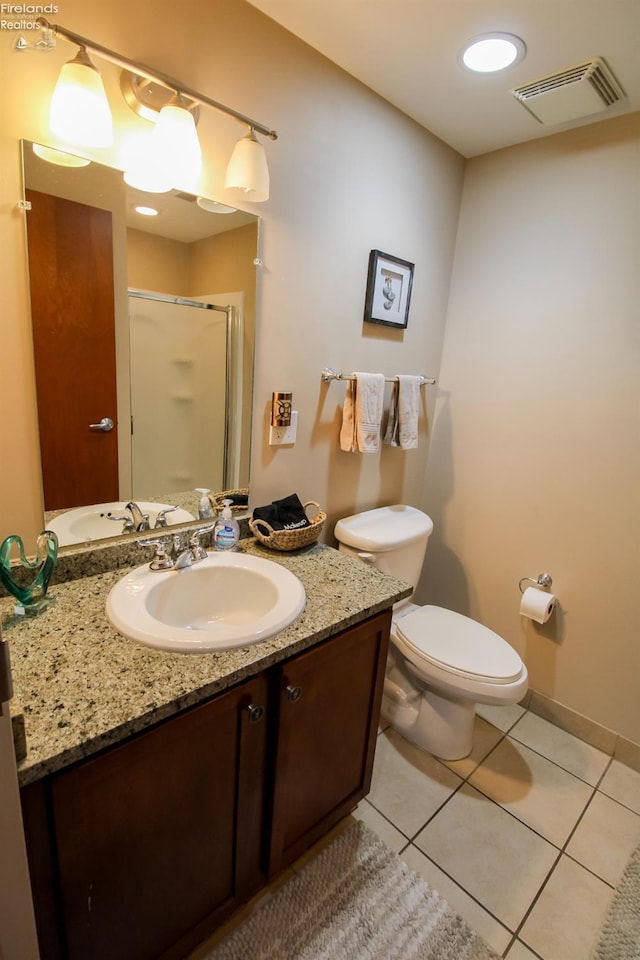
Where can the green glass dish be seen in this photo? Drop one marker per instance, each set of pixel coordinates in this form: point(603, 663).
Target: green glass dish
point(28, 581)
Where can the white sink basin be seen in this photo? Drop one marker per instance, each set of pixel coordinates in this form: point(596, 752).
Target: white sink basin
point(92, 523)
point(228, 600)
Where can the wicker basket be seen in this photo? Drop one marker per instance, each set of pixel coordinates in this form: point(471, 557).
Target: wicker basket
point(218, 505)
point(289, 539)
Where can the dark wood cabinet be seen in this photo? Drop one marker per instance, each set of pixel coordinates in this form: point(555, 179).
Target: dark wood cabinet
point(329, 705)
point(140, 852)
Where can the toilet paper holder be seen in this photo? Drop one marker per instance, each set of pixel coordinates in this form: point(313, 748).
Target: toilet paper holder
point(543, 580)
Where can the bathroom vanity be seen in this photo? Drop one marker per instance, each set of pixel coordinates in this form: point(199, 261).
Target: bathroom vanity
point(160, 790)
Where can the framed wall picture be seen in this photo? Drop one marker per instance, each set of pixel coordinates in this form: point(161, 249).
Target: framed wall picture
point(388, 290)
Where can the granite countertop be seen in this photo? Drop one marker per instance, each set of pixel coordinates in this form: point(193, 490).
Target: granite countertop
point(80, 686)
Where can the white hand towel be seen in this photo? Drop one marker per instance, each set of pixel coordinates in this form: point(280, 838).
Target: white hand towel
point(408, 411)
point(369, 404)
point(362, 413)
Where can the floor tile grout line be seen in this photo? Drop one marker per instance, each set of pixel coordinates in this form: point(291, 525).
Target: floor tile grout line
point(608, 795)
point(388, 819)
point(411, 837)
point(573, 858)
point(533, 952)
point(515, 817)
point(537, 896)
point(578, 821)
point(597, 876)
point(515, 939)
point(560, 850)
point(460, 887)
point(555, 762)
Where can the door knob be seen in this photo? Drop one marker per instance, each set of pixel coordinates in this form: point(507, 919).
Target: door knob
point(293, 693)
point(104, 426)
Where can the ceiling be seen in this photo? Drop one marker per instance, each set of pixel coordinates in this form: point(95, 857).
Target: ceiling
point(407, 51)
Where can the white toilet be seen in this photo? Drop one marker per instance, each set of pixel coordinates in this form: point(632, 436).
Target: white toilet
point(440, 663)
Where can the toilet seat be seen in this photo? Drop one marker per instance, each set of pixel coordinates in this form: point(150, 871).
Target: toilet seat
point(455, 643)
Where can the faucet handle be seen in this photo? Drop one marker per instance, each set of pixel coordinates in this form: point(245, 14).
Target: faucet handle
point(198, 552)
point(128, 522)
point(200, 531)
point(161, 518)
point(161, 559)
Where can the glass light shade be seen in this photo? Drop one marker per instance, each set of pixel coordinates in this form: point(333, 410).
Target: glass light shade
point(144, 166)
point(248, 170)
point(176, 142)
point(79, 110)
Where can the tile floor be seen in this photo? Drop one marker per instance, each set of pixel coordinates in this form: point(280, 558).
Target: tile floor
point(526, 838)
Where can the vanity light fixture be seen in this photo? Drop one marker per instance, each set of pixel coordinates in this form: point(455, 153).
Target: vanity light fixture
point(492, 52)
point(175, 128)
point(79, 110)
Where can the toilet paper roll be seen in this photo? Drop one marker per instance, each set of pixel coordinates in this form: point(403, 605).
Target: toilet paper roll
point(537, 604)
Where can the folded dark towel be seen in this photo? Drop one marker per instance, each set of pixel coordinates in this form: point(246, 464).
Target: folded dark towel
point(238, 499)
point(285, 514)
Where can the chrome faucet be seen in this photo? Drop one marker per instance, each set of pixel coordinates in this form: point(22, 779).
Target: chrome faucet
point(194, 550)
point(140, 519)
point(171, 555)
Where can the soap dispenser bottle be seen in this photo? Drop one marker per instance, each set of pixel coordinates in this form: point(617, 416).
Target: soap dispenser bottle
point(226, 532)
point(205, 510)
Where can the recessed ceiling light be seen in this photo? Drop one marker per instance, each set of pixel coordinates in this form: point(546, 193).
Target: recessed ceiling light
point(147, 211)
point(493, 51)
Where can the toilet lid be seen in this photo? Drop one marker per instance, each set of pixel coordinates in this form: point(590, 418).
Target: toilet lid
point(458, 644)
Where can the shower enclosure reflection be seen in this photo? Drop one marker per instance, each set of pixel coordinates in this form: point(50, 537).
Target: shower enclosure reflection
point(167, 376)
point(179, 290)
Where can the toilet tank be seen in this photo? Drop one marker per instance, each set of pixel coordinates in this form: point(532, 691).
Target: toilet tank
point(394, 538)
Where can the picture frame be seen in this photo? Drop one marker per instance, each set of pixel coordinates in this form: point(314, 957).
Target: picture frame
point(389, 284)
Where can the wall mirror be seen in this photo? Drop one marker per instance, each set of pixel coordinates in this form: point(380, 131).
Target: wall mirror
point(143, 334)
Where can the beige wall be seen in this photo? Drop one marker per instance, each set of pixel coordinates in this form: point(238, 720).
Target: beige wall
point(533, 451)
point(534, 463)
point(349, 174)
point(157, 263)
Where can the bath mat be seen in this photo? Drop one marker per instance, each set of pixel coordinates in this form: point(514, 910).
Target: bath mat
point(355, 901)
point(620, 935)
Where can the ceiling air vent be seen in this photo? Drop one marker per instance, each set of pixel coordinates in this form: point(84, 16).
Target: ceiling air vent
point(582, 90)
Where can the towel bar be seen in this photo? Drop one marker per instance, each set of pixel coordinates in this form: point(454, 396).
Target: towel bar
point(328, 374)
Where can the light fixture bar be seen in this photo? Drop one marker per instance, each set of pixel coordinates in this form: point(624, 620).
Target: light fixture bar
point(155, 75)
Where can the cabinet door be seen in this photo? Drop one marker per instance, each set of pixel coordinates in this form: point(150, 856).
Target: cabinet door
point(157, 839)
point(328, 716)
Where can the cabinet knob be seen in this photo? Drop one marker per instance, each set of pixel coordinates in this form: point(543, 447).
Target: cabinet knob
point(255, 713)
point(293, 693)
